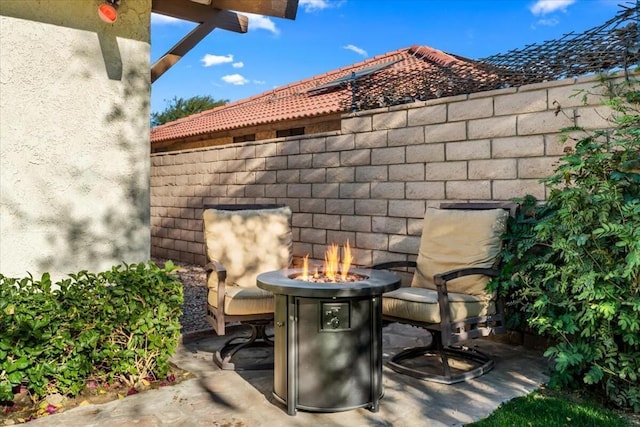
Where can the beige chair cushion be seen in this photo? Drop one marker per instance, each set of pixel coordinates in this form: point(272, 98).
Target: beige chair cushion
point(421, 305)
point(247, 243)
point(242, 301)
point(453, 239)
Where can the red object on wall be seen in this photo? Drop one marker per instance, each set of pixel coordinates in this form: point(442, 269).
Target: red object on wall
point(108, 12)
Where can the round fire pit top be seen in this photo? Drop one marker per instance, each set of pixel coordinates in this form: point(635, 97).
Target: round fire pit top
point(375, 282)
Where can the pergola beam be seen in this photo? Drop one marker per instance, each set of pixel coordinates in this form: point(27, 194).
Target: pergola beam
point(216, 19)
point(211, 14)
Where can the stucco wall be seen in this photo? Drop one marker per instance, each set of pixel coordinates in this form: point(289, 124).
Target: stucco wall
point(74, 136)
point(371, 182)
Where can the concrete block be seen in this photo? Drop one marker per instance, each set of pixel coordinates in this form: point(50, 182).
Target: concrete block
point(355, 223)
point(407, 172)
point(468, 190)
point(521, 102)
point(427, 115)
point(313, 205)
point(518, 146)
point(326, 160)
point(313, 235)
point(371, 139)
point(407, 208)
point(331, 190)
point(288, 176)
point(509, 189)
point(387, 190)
point(299, 190)
point(355, 157)
point(470, 109)
point(493, 127)
point(390, 120)
point(300, 161)
point(405, 136)
point(388, 225)
point(286, 148)
point(425, 190)
point(371, 207)
point(455, 131)
point(313, 145)
point(444, 171)
point(378, 241)
point(313, 175)
point(354, 191)
point(339, 206)
point(340, 142)
point(467, 150)
point(371, 173)
point(326, 222)
point(543, 122)
point(493, 169)
point(342, 174)
point(357, 124)
point(387, 156)
point(425, 153)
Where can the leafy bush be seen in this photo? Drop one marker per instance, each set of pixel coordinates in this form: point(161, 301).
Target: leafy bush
point(573, 263)
point(118, 325)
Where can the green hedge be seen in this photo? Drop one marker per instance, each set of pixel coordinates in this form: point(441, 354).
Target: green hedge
point(118, 325)
point(572, 265)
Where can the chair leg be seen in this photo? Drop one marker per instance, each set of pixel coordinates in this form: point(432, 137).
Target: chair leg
point(257, 338)
point(478, 362)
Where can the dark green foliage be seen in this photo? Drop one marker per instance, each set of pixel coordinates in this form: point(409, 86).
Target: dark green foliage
point(180, 107)
point(121, 325)
point(573, 264)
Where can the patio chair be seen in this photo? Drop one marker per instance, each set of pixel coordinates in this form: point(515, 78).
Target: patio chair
point(241, 242)
point(459, 253)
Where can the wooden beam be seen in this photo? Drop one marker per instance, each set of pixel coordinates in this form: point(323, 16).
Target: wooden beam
point(277, 8)
point(220, 19)
point(198, 12)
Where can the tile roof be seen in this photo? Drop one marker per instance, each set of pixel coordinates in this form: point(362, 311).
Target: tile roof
point(297, 100)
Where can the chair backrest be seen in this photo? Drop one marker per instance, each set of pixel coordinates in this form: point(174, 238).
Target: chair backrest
point(456, 236)
point(248, 240)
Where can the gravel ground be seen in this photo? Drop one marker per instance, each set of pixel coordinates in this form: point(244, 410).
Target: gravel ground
point(193, 278)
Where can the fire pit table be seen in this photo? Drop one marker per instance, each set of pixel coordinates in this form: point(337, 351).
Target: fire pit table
point(328, 340)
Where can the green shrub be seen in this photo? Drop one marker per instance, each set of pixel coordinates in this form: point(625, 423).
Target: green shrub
point(118, 325)
point(573, 264)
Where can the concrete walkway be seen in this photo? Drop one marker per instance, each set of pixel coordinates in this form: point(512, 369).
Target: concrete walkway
point(244, 398)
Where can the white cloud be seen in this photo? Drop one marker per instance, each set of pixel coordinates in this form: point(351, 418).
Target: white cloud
point(209, 60)
point(311, 5)
point(355, 49)
point(238, 64)
point(159, 19)
point(260, 22)
point(259, 82)
point(235, 79)
point(552, 22)
point(543, 7)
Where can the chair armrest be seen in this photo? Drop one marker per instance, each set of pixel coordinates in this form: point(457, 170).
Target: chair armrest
point(393, 264)
point(218, 268)
point(215, 267)
point(443, 278)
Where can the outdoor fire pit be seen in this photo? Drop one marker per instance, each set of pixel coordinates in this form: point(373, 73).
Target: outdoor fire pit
point(328, 339)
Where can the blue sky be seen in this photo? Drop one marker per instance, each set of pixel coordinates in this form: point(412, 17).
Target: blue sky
point(329, 34)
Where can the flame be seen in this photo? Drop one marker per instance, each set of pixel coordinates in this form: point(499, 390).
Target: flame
point(332, 267)
point(305, 267)
point(346, 261)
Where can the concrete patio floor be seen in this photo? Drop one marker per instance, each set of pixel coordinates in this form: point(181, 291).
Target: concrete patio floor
point(244, 398)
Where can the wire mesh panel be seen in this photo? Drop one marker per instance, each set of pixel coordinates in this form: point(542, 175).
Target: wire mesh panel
point(613, 45)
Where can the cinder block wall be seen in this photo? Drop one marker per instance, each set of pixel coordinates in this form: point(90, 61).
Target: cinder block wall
point(370, 182)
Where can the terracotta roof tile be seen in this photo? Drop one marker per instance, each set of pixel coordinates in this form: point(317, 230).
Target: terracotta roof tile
point(294, 100)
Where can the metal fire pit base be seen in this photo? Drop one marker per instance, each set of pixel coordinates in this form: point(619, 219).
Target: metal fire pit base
point(328, 341)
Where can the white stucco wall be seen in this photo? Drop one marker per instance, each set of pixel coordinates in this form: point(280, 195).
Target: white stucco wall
point(74, 137)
